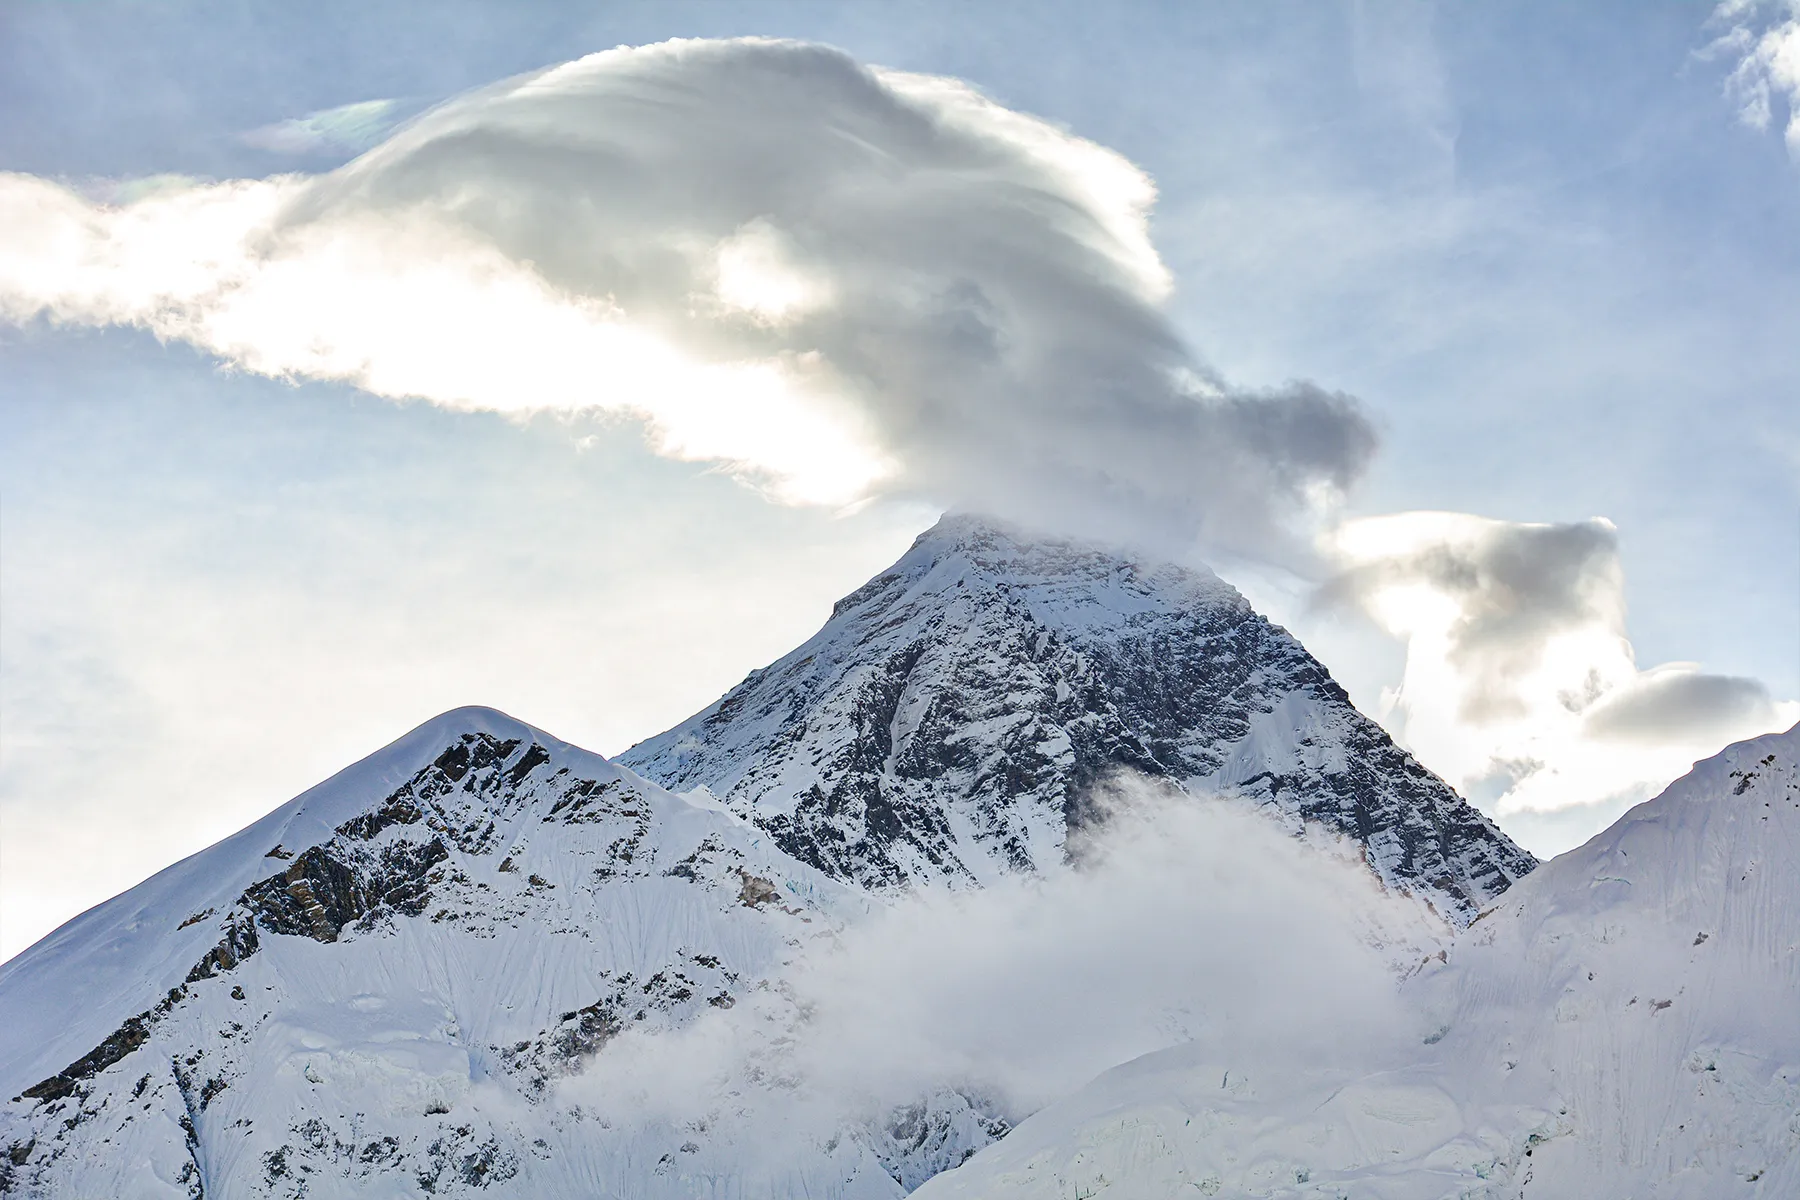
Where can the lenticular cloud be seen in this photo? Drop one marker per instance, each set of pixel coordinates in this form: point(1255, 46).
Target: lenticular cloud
point(833, 280)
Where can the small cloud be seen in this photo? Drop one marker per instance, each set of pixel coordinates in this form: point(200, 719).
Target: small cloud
point(1521, 686)
point(1502, 596)
point(1679, 701)
point(348, 128)
point(1764, 37)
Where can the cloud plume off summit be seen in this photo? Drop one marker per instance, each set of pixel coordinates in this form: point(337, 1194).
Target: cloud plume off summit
point(834, 280)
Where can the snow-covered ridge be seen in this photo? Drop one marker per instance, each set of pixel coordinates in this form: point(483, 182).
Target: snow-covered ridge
point(948, 721)
point(136, 944)
point(313, 1001)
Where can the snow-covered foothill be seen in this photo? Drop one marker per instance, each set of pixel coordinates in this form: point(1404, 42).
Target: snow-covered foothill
point(379, 988)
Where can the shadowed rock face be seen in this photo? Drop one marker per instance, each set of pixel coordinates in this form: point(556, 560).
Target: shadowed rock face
point(950, 719)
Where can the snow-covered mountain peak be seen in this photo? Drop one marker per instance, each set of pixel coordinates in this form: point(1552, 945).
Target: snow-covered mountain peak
point(950, 719)
point(443, 970)
point(456, 781)
point(476, 901)
point(1063, 582)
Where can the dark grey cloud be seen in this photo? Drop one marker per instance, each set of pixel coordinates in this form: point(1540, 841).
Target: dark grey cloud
point(1681, 704)
point(1516, 587)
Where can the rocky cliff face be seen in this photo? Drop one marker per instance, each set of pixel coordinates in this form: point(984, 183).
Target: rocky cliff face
point(950, 718)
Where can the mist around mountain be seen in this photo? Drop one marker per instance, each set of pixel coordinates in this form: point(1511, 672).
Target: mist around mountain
point(1041, 870)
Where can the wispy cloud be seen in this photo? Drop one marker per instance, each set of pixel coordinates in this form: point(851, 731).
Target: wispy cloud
point(1763, 36)
point(346, 129)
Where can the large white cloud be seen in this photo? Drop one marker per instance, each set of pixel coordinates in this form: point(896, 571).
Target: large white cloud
point(830, 279)
point(1521, 686)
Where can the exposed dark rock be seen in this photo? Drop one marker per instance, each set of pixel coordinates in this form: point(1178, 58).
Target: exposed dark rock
point(922, 1139)
point(400, 809)
point(534, 757)
point(756, 891)
point(115, 1046)
point(315, 897)
point(581, 1033)
point(209, 1089)
point(195, 919)
point(240, 942)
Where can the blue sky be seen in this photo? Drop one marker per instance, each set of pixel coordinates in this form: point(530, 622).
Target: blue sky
point(1535, 241)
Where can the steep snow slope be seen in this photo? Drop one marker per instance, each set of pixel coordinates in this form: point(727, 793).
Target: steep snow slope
point(946, 721)
point(1624, 1023)
point(1648, 984)
point(376, 990)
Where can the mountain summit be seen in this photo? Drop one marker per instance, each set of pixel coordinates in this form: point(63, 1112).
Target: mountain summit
point(949, 720)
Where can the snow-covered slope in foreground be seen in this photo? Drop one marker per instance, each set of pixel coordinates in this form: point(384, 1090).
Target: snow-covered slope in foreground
point(1624, 1023)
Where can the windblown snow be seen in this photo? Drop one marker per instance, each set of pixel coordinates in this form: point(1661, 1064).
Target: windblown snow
point(812, 941)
